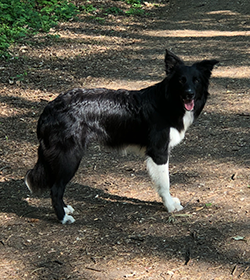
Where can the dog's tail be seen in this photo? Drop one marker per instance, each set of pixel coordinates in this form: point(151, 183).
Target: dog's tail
point(37, 179)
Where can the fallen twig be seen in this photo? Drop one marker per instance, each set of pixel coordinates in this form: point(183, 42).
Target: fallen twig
point(35, 270)
point(94, 269)
point(234, 270)
point(162, 276)
point(4, 167)
point(8, 238)
point(243, 272)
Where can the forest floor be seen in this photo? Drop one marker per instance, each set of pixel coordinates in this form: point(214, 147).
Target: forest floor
point(122, 230)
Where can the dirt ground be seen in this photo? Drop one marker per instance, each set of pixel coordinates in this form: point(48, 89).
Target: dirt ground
point(122, 230)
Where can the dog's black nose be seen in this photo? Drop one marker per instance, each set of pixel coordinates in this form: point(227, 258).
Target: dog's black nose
point(189, 94)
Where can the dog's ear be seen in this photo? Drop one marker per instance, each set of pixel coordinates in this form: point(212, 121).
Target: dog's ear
point(206, 66)
point(171, 60)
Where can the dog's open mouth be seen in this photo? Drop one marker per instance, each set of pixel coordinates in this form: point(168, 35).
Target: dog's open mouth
point(189, 104)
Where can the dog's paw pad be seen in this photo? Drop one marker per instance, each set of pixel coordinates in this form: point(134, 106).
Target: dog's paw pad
point(67, 219)
point(69, 209)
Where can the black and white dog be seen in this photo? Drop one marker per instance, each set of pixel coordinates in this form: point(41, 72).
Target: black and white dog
point(154, 119)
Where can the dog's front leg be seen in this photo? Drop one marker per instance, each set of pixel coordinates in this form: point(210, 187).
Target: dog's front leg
point(160, 176)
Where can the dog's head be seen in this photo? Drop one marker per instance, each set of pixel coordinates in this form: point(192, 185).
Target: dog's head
point(189, 83)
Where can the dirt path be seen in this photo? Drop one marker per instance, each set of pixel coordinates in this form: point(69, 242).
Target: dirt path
point(122, 230)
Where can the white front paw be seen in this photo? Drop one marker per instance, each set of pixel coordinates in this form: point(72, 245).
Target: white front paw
point(175, 205)
point(67, 219)
point(69, 209)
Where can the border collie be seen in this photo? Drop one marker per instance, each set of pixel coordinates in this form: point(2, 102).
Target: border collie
point(154, 119)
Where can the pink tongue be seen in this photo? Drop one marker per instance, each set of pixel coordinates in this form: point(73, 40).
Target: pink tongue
point(189, 105)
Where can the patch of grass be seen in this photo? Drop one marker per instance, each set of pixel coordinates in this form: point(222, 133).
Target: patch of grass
point(20, 19)
point(136, 8)
point(208, 205)
point(88, 8)
point(20, 77)
point(53, 36)
point(135, 11)
point(99, 19)
point(133, 2)
point(114, 11)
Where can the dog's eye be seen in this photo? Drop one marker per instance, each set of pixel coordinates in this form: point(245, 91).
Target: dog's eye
point(183, 80)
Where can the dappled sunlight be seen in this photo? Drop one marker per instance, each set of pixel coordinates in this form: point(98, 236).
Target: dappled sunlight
point(196, 33)
point(240, 72)
point(7, 111)
point(223, 12)
point(122, 229)
point(11, 267)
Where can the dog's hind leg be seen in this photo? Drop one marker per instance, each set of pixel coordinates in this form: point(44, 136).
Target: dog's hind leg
point(160, 176)
point(65, 170)
point(61, 209)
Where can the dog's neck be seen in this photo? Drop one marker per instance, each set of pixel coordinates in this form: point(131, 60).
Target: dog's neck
point(188, 119)
point(177, 136)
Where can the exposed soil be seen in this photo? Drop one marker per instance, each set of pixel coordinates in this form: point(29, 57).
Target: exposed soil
point(122, 230)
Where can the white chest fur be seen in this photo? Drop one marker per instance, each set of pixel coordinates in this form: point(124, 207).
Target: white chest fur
point(177, 136)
